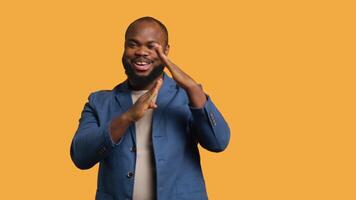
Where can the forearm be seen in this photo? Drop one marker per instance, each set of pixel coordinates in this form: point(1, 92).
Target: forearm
point(197, 97)
point(92, 143)
point(119, 126)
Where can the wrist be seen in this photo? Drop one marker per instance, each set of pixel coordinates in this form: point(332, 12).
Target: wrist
point(197, 97)
point(127, 116)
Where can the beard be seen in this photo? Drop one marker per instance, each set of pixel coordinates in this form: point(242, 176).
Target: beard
point(141, 81)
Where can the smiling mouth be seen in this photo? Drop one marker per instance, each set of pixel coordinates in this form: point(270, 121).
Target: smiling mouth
point(142, 66)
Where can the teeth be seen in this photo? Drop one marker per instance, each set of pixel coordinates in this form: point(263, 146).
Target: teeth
point(141, 63)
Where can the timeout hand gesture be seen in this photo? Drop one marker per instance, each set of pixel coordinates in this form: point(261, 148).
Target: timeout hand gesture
point(144, 103)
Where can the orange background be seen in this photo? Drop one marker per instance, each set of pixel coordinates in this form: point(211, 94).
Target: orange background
point(281, 72)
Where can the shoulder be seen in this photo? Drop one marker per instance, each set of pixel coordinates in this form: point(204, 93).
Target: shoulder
point(100, 95)
point(101, 99)
point(104, 95)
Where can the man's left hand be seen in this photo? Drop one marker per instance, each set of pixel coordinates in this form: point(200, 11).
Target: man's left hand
point(195, 92)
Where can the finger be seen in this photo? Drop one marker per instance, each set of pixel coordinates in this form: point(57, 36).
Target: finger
point(155, 89)
point(159, 50)
point(157, 86)
point(152, 93)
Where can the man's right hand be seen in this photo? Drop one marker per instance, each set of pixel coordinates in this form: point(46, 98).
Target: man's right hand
point(144, 103)
point(121, 123)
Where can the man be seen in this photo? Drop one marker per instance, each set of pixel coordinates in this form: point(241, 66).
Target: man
point(145, 131)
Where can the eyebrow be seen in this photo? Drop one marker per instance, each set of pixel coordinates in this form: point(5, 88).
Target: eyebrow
point(133, 40)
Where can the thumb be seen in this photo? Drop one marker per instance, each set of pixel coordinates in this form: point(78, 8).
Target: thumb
point(152, 105)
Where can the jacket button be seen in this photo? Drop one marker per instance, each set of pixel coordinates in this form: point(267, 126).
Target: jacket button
point(133, 149)
point(130, 174)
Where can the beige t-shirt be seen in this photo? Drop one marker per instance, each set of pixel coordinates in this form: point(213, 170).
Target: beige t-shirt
point(144, 184)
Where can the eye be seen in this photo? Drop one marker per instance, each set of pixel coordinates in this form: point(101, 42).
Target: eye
point(151, 46)
point(131, 44)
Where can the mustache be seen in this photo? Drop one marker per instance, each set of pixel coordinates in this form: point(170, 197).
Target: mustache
point(142, 59)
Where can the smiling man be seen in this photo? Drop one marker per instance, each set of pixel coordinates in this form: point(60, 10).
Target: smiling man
point(145, 131)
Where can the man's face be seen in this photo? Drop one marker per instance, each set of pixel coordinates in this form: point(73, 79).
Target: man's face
point(141, 62)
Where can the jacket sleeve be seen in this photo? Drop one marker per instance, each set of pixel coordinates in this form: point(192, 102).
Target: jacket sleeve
point(209, 127)
point(92, 142)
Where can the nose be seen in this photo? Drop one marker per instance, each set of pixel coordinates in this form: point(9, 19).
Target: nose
point(142, 51)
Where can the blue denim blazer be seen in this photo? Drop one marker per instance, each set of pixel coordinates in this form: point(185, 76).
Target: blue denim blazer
point(177, 128)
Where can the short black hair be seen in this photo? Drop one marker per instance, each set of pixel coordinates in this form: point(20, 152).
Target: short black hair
point(149, 19)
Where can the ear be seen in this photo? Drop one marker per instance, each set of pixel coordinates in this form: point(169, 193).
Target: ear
point(166, 50)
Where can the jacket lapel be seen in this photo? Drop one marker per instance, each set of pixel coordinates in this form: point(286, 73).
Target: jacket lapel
point(123, 96)
point(165, 95)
